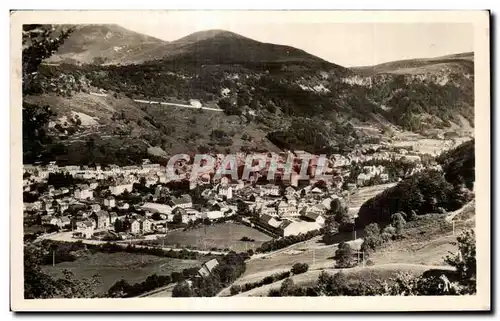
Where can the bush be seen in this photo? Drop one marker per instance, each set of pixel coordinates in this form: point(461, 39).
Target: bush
point(299, 268)
point(344, 256)
point(276, 244)
point(182, 289)
point(287, 287)
point(369, 262)
point(235, 289)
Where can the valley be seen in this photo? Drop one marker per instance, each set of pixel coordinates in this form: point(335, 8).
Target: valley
point(106, 111)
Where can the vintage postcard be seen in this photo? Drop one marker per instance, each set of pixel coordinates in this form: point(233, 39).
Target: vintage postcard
point(250, 161)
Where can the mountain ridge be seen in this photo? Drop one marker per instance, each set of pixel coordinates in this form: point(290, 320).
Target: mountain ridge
point(286, 97)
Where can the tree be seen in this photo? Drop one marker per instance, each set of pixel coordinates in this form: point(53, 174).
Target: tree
point(412, 215)
point(120, 289)
point(398, 221)
point(35, 127)
point(344, 256)
point(243, 208)
point(39, 43)
point(299, 268)
point(287, 287)
point(372, 240)
point(465, 260)
point(335, 206)
point(388, 233)
point(342, 217)
point(182, 289)
point(39, 285)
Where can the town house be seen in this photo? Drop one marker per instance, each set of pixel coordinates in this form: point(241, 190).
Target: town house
point(208, 267)
point(269, 189)
point(113, 216)
point(110, 202)
point(135, 227)
point(119, 188)
point(83, 192)
point(156, 208)
point(146, 225)
point(226, 191)
point(289, 227)
point(315, 217)
point(85, 229)
point(284, 209)
point(184, 201)
point(102, 219)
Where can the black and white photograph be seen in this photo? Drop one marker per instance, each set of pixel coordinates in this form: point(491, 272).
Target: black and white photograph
point(173, 157)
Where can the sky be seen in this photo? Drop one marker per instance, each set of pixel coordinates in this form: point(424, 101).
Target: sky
point(347, 44)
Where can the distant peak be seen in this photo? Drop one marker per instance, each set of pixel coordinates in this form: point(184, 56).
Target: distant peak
point(206, 34)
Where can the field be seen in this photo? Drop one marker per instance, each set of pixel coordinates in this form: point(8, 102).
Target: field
point(220, 236)
point(312, 252)
point(426, 242)
point(111, 267)
point(372, 273)
point(363, 194)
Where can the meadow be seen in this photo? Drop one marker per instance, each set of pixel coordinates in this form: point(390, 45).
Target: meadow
point(112, 267)
point(218, 236)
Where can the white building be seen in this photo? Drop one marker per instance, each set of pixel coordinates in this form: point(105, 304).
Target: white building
point(195, 103)
point(269, 189)
point(83, 194)
point(296, 227)
point(85, 228)
point(212, 215)
point(146, 225)
point(157, 208)
point(226, 191)
point(135, 227)
point(119, 189)
point(110, 202)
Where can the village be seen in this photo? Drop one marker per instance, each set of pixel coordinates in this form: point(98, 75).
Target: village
point(112, 203)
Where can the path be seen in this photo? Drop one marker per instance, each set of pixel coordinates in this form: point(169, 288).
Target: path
point(175, 105)
point(151, 102)
point(164, 291)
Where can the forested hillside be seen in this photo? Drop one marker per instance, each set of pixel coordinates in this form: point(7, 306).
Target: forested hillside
point(275, 96)
point(430, 191)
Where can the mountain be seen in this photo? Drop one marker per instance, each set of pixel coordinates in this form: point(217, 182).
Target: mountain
point(273, 96)
point(102, 44)
point(224, 47)
point(112, 44)
point(463, 62)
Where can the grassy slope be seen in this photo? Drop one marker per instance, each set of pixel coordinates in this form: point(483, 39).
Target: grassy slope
point(427, 241)
point(225, 235)
point(188, 128)
point(111, 42)
point(458, 62)
point(372, 273)
point(111, 267)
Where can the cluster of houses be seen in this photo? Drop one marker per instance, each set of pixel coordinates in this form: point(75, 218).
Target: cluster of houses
point(370, 172)
point(283, 211)
point(293, 212)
